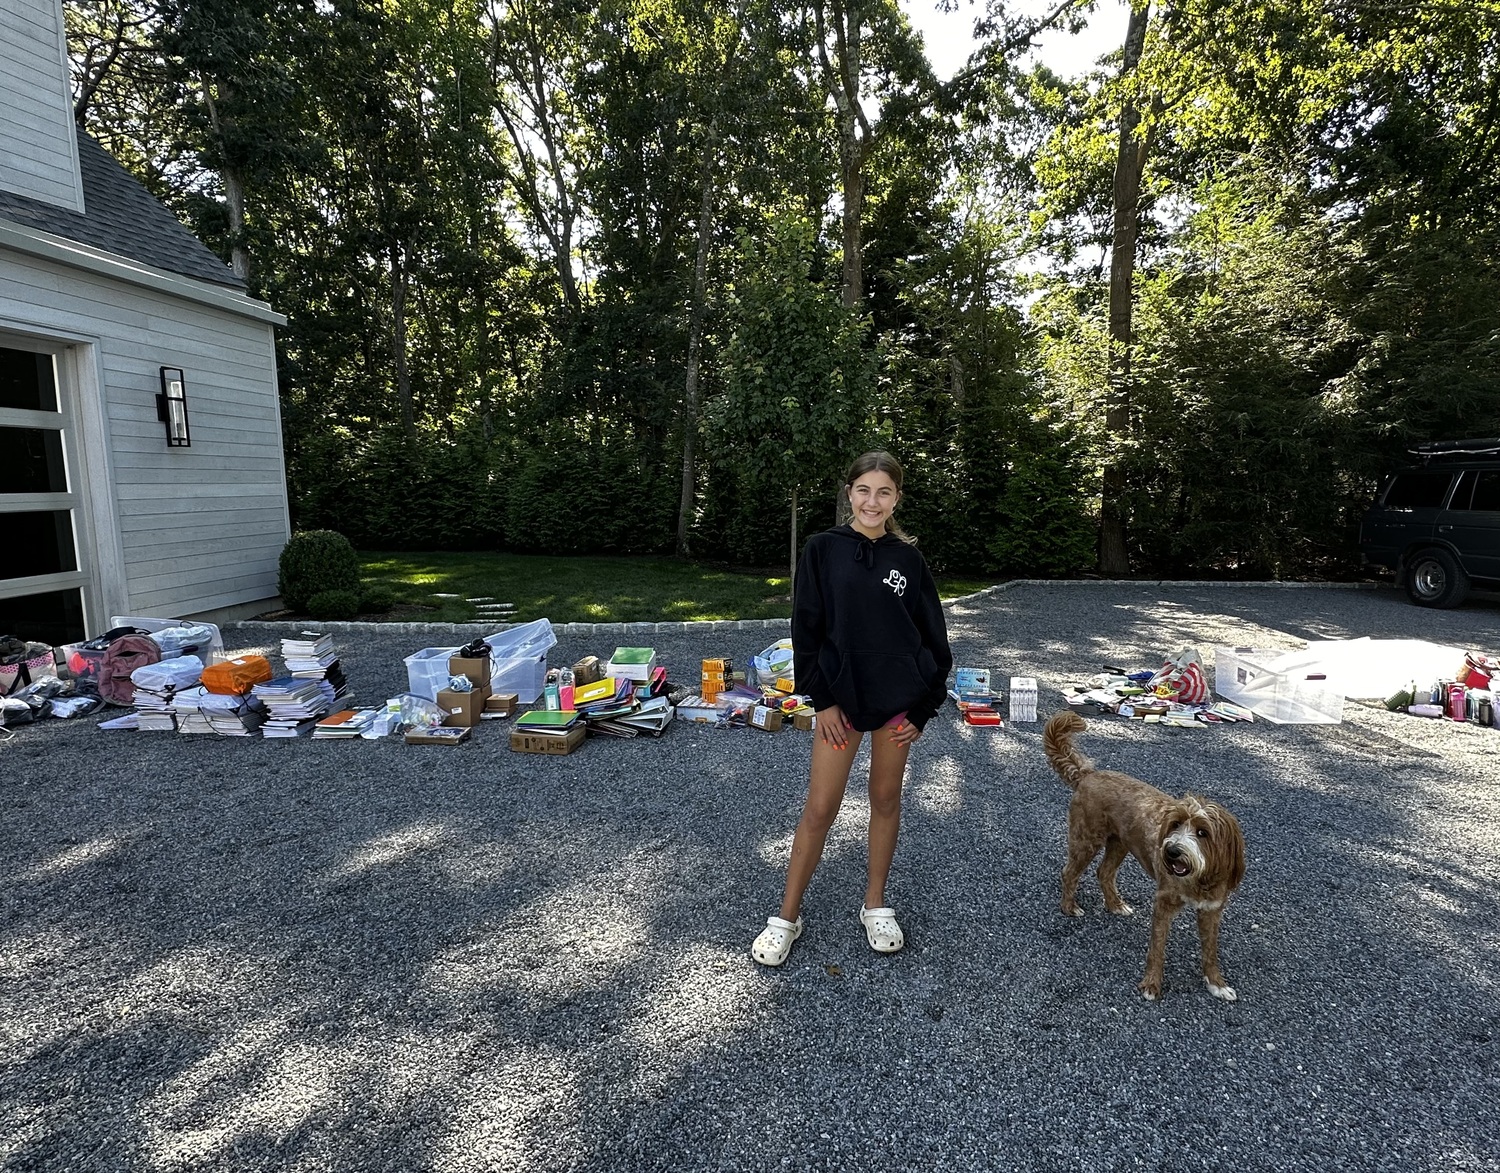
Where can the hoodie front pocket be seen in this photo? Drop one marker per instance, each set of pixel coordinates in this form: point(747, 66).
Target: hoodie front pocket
point(878, 684)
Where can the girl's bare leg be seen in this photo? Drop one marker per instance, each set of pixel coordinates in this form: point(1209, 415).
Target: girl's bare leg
point(887, 771)
point(825, 794)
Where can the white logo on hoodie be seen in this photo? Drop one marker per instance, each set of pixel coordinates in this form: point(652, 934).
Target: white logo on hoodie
point(896, 581)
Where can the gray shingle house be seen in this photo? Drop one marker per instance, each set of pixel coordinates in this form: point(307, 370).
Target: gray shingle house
point(141, 468)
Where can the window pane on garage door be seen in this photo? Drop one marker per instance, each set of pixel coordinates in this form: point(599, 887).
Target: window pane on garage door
point(42, 544)
point(54, 617)
point(31, 461)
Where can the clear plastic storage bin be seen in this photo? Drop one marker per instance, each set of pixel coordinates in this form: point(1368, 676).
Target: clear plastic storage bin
point(518, 659)
point(427, 671)
point(1254, 679)
point(518, 662)
point(210, 654)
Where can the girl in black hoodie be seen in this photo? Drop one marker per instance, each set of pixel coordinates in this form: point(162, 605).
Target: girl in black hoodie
point(870, 648)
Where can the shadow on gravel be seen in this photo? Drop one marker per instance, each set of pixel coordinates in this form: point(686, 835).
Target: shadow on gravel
point(358, 957)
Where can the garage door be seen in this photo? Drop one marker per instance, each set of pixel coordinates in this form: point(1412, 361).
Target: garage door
point(43, 572)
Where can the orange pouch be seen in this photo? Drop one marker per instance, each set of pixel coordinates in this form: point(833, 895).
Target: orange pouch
point(236, 677)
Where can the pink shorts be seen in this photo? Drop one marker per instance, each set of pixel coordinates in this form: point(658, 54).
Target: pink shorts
point(896, 721)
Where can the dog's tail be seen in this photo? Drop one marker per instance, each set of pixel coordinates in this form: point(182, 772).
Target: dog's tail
point(1057, 743)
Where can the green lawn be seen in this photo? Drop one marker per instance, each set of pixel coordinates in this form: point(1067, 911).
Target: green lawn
point(584, 590)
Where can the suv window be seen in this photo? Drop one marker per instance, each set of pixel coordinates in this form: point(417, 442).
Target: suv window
point(1418, 490)
point(1485, 495)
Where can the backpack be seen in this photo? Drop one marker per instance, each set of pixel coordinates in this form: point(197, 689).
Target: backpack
point(123, 656)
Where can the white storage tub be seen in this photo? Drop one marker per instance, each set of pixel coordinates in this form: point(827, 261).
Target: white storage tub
point(1276, 686)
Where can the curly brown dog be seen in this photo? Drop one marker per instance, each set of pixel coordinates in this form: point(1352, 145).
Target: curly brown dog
point(1190, 846)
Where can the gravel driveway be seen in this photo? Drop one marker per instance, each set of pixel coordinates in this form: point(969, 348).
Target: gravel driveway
point(223, 954)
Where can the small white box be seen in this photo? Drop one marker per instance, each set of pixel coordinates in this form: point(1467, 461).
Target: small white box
point(1023, 698)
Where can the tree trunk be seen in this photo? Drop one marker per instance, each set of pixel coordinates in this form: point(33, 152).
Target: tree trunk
point(852, 162)
point(398, 342)
point(791, 574)
point(1130, 163)
point(856, 136)
point(234, 187)
point(695, 344)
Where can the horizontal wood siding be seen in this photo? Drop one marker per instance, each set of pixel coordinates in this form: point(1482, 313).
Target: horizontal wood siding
point(201, 527)
point(38, 147)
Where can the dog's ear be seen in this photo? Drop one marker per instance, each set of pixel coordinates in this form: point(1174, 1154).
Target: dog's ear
point(1229, 841)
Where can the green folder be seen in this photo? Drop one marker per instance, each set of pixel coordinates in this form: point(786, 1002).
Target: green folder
point(547, 719)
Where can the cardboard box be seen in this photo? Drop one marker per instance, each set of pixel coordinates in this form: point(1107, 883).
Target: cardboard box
point(501, 704)
point(439, 736)
point(477, 669)
point(552, 743)
point(804, 719)
point(765, 717)
point(461, 710)
point(588, 670)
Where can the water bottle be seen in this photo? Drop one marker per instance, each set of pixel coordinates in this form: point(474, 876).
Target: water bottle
point(565, 687)
point(550, 696)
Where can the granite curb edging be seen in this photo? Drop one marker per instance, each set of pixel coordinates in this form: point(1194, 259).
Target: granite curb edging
point(711, 626)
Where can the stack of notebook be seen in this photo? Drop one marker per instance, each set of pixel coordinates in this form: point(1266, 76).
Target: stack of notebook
point(310, 656)
point(201, 711)
point(157, 710)
point(349, 723)
point(294, 705)
point(548, 722)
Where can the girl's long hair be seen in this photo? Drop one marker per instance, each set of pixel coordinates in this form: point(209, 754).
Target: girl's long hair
point(877, 461)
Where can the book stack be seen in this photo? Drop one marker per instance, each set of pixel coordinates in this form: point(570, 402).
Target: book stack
point(975, 699)
point(344, 725)
point(310, 656)
point(294, 705)
point(548, 731)
point(156, 710)
point(201, 711)
point(604, 698)
point(634, 664)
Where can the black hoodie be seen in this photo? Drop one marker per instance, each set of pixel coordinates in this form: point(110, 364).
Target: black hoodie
point(868, 632)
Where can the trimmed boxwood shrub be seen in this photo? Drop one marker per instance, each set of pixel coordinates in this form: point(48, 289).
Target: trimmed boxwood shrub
point(333, 605)
point(377, 599)
point(316, 561)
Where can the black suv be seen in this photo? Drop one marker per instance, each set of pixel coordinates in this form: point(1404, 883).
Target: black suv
point(1437, 523)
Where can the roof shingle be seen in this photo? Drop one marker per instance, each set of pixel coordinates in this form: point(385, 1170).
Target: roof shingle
point(122, 217)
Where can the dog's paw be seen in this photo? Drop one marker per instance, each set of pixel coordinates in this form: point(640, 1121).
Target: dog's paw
point(1074, 911)
point(1123, 909)
point(1150, 991)
point(1225, 992)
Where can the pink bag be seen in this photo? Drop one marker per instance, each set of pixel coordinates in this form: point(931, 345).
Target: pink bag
point(1181, 679)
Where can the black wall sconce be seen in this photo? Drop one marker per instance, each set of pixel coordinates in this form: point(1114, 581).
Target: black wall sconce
point(171, 408)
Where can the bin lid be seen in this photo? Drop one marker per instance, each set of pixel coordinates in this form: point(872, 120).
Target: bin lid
point(526, 639)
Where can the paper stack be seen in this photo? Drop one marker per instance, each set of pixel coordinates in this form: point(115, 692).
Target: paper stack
point(294, 705)
point(201, 711)
point(347, 724)
point(155, 709)
point(310, 656)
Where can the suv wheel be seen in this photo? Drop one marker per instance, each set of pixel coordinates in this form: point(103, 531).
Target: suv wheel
point(1435, 579)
